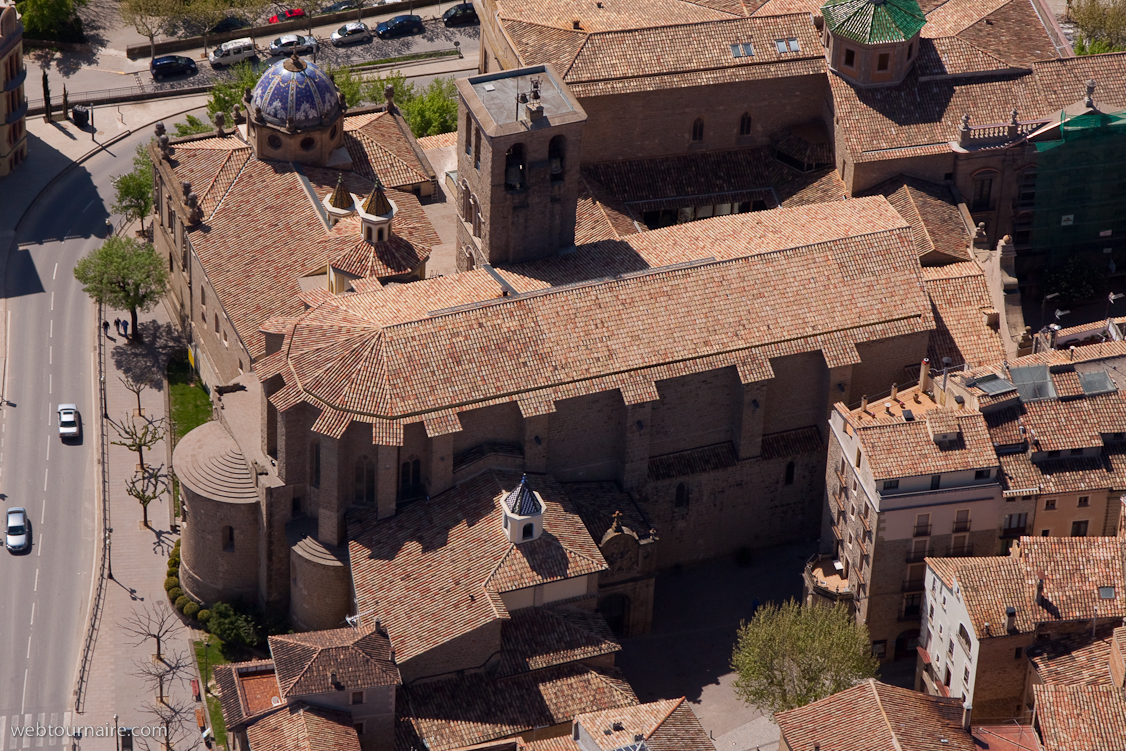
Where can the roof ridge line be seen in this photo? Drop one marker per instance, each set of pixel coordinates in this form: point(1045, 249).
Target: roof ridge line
point(665, 717)
point(316, 654)
point(227, 192)
point(732, 19)
point(883, 714)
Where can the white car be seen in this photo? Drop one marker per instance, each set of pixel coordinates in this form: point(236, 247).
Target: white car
point(69, 426)
point(351, 33)
point(16, 532)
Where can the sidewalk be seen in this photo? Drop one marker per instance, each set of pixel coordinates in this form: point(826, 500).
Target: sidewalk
point(139, 554)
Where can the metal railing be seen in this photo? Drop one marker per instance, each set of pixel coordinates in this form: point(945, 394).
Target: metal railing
point(914, 585)
point(109, 96)
point(960, 551)
point(922, 530)
point(1011, 533)
point(99, 590)
point(961, 526)
point(916, 556)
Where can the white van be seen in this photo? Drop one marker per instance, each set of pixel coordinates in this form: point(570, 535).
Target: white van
point(234, 51)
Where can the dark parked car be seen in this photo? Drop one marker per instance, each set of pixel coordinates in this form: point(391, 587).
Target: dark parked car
point(460, 15)
point(342, 6)
point(400, 26)
point(230, 23)
point(350, 33)
point(288, 15)
point(171, 65)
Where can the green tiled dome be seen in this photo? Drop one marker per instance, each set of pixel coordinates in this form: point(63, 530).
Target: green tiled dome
point(874, 21)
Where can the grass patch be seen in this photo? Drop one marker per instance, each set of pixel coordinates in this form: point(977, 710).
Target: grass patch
point(208, 655)
point(190, 404)
point(429, 55)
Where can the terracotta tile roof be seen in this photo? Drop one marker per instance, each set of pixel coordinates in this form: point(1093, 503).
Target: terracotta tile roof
point(1067, 475)
point(596, 503)
point(537, 43)
point(1060, 425)
point(666, 725)
point(1076, 659)
point(876, 717)
point(954, 56)
point(360, 658)
point(783, 7)
point(476, 708)
point(906, 449)
point(708, 178)
point(944, 568)
point(936, 224)
point(440, 141)
point(1092, 718)
point(695, 54)
point(259, 692)
point(361, 355)
point(951, 17)
point(917, 117)
point(1062, 82)
point(426, 573)
point(238, 248)
point(230, 678)
point(600, 215)
point(614, 15)
point(1014, 32)
point(1073, 569)
point(303, 727)
point(539, 637)
point(791, 443)
point(381, 146)
point(694, 461)
point(961, 299)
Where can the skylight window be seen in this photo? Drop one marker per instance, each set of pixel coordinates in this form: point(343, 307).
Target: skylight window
point(742, 50)
point(1106, 593)
point(787, 45)
point(794, 46)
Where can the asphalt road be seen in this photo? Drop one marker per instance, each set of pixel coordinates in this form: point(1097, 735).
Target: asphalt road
point(44, 593)
point(110, 69)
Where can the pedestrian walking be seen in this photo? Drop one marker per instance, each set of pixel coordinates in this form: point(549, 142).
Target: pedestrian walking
point(105, 327)
point(117, 325)
point(125, 328)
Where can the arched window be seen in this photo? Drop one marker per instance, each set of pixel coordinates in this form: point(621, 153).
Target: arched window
point(745, 124)
point(475, 215)
point(470, 260)
point(477, 149)
point(681, 496)
point(468, 135)
point(982, 196)
point(365, 480)
point(228, 539)
point(528, 531)
point(410, 479)
point(790, 473)
point(514, 168)
point(698, 130)
point(556, 151)
point(466, 205)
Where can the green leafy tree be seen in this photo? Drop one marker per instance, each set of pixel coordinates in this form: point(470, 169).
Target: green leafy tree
point(192, 126)
point(133, 197)
point(404, 89)
point(123, 273)
point(230, 626)
point(50, 19)
point(200, 16)
point(789, 656)
point(228, 93)
point(151, 18)
point(350, 86)
point(1076, 281)
point(250, 11)
point(434, 109)
point(1101, 24)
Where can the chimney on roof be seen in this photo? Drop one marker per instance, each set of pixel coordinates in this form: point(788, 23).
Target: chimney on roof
point(925, 375)
point(864, 404)
point(576, 25)
point(1040, 588)
point(967, 712)
point(1010, 619)
point(618, 727)
point(895, 392)
point(332, 679)
point(1090, 98)
point(887, 407)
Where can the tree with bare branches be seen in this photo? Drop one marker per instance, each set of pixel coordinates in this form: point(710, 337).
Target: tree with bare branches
point(145, 487)
point(137, 434)
point(176, 718)
point(164, 673)
point(135, 383)
point(157, 623)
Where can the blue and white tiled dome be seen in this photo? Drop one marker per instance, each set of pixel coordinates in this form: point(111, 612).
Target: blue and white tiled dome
point(296, 89)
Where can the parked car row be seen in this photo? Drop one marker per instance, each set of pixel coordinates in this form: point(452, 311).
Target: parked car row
point(353, 32)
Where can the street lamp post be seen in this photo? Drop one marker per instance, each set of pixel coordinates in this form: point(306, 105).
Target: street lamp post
point(109, 554)
point(92, 128)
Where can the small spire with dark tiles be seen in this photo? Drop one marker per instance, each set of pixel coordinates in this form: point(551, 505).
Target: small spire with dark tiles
point(376, 202)
point(340, 198)
point(522, 501)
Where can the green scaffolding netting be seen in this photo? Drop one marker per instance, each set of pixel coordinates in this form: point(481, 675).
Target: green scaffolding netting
point(1078, 194)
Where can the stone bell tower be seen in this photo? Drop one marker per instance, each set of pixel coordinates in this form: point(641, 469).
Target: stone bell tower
point(519, 137)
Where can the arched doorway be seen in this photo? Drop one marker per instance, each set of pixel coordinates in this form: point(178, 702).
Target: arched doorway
point(615, 609)
point(906, 643)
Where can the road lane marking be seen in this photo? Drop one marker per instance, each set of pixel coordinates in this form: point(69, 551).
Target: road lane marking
point(45, 470)
point(36, 589)
point(89, 205)
point(43, 515)
point(39, 545)
point(26, 717)
point(50, 354)
point(42, 721)
point(52, 302)
point(51, 335)
point(55, 272)
point(7, 349)
point(31, 624)
point(50, 390)
point(3, 729)
point(29, 646)
point(48, 450)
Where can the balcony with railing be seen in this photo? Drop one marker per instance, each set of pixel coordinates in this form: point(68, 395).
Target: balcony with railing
point(972, 137)
point(910, 613)
point(960, 551)
point(922, 530)
point(961, 526)
point(917, 556)
point(914, 585)
point(1011, 533)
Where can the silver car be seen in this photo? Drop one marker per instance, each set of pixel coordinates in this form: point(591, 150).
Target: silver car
point(68, 422)
point(291, 44)
point(350, 33)
point(17, 534)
